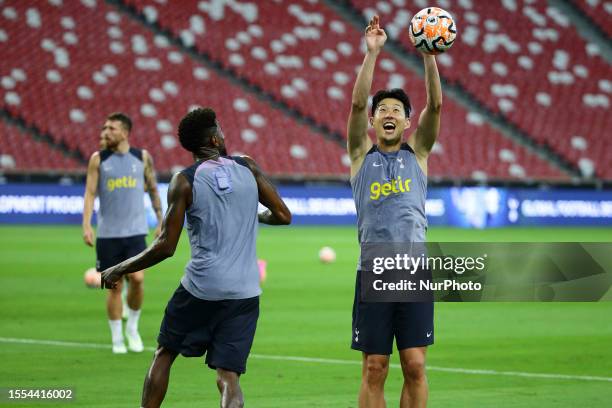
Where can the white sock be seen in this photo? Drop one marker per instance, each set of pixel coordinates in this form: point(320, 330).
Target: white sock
point(116, 331)
point(132, 320)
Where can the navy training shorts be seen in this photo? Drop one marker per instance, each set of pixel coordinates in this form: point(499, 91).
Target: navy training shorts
point(112, 251)
point(221, 329)
point(376, 324)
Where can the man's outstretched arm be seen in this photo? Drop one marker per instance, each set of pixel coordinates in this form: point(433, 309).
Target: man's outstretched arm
point(277, 213)
point(179, 199)
point(424, 137)
point(358, 143)
point(91, 189)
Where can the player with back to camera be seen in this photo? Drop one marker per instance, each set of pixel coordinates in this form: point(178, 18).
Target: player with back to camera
point(214, 310)
point(393, 214)
point(119, 175)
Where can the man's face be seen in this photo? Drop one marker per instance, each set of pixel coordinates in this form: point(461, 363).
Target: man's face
point(113, 133)
point(389, 121)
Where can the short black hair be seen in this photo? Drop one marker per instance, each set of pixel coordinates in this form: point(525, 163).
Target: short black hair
point(395, 93)
point(123, 118)
point(197, 128)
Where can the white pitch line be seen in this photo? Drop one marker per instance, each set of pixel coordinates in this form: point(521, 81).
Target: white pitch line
point(552, 376)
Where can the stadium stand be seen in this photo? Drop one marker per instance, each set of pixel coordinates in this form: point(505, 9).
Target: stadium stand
point(70, 63)
point(19, 151)
point(553, 85)
point(600, 11)
point(303, 48)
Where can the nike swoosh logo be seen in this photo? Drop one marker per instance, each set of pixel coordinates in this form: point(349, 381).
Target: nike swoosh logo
point(428, 334)
point(377, 164)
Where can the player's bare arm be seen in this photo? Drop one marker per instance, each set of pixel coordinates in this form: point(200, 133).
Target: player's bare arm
point(179, 199)
point(151, 188)
point(91, 189)
point(358, 142)
point(428, 128)
point(277, 213)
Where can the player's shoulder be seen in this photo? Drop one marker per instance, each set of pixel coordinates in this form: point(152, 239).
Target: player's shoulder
point(94, 161)
point(146, 155)
point(243, 160)
point(373, 149)
point(102, 155)
point(97, 157)
point(188, 173)
point(357, 169)
point(138, 153)
point(406, 148)
point(372, 153)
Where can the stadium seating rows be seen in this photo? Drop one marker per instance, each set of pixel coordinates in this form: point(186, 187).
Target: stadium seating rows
point(71, 63)
point(600, 11)
point(306, 56)
point(18, 151)
point(90, 60)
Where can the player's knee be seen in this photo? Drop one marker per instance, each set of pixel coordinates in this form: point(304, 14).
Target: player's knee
point(116, 291)
point(227, 380)
point(137, 279)
point(162, 352)
point(376, 372)
point(414, 369)
point(164, 356)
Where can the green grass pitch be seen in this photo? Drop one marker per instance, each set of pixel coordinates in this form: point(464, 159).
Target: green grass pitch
point(305, 312)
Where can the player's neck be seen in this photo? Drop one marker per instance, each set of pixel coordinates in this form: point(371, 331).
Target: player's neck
point(206, 153)
point(123, 147)
point(386, 148)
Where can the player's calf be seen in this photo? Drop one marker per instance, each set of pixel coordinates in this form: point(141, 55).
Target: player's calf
point(415, 390)
point(229, 388)
point(156, 380)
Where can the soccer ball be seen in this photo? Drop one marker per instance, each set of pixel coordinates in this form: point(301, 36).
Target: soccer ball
point(261, 265)
point(432, 30)
point(92, 278)
point(327, 255)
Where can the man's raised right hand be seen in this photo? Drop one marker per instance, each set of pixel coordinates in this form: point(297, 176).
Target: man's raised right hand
point(375, 36)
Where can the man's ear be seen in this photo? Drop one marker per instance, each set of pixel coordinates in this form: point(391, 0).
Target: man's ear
point(371, 121)
point(215, 140)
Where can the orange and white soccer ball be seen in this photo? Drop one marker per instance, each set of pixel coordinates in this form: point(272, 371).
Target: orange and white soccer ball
point(432, 30)
point(262, 265)
point(92, 278)
point(327, 255)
